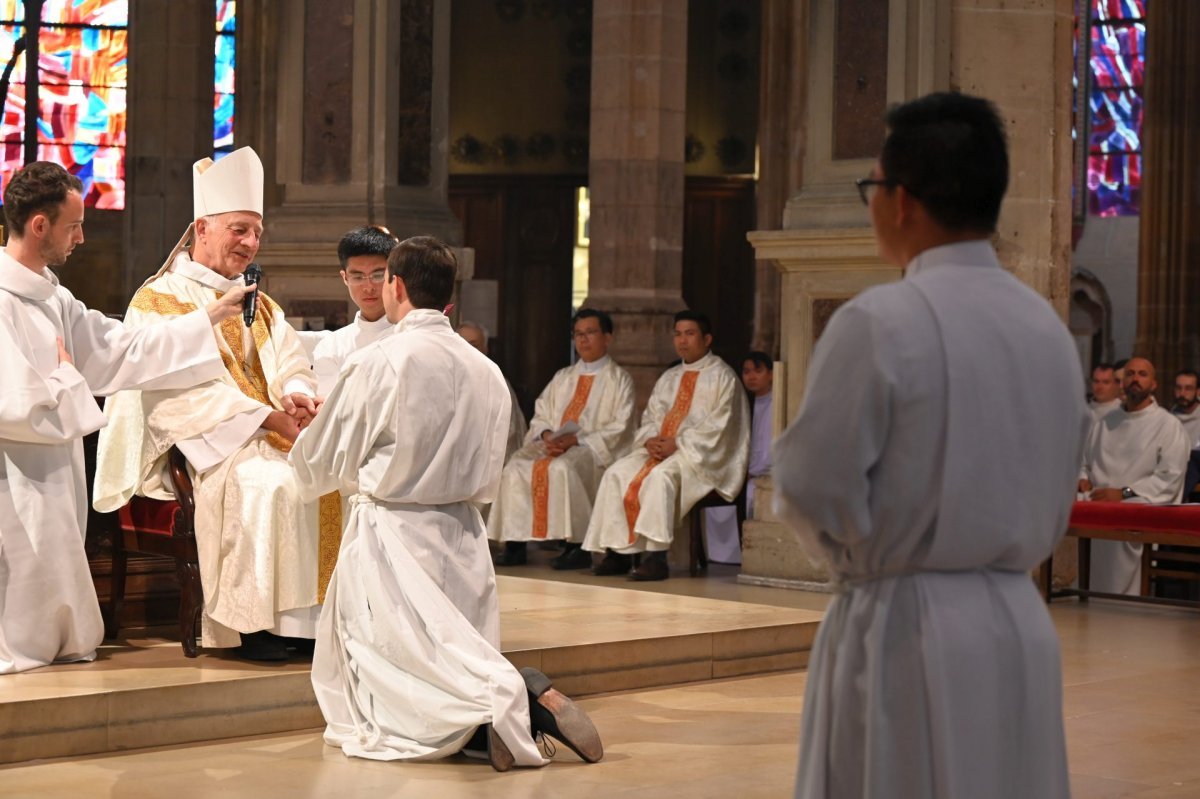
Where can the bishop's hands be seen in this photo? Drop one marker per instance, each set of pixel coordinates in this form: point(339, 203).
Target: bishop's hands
point(298, 412)
point(229, 304)
point(661, 447)
point(557, 446)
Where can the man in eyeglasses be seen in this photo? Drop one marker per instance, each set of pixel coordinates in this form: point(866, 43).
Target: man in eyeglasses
point(933, 486)
point(363, 254)
point(257, 542)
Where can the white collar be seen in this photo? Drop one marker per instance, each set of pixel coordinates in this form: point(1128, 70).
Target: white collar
point(19, 279)
point(593, 367)
point(184, 266)
point(371, 327)
point(976, 252)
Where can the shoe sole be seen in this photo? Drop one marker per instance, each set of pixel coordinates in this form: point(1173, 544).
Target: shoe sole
point(499, 755)
point(556, 715)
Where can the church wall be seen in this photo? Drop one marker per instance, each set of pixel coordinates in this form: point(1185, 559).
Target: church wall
point(93, 273)
point(1108, 249)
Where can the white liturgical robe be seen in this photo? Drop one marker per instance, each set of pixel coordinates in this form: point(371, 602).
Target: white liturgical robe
point(936, 672)
point(640, 499)
point(1147, 452)
point(543, 498)
point(257, 541)
point(1101, 409)
point(334, 347)
point(1191, 425)
point(48, 608)
point(407, 663)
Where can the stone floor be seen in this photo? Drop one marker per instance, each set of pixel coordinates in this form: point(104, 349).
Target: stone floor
point(1132, 702)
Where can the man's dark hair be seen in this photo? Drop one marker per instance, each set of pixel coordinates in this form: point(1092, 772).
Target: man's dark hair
point(1104, 366)
point(606, 322)
point(428, 268)
point(366, 240)
point(1188, 373)
point(37, 188)
point(1120, 364)
point(949, 151)
point(697, 317)
point(760, 358)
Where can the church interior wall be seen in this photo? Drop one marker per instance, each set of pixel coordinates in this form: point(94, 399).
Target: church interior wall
point(1108, 249)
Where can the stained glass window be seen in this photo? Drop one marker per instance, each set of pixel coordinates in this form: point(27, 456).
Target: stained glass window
point(1117, 59)
point(223, 74)
point(83, 73)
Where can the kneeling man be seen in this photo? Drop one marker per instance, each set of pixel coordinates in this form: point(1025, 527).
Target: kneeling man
point(408, 665)
point(694, 439)
point(583, 421)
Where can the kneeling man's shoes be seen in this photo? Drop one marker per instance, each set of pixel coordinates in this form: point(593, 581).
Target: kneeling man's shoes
point(499, 755)
point(553, 713)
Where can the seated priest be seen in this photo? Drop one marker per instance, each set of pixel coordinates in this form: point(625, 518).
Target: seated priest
point(362, 256)
point(257, 541)
point(1136, 453)
point(582, 422)
point(694, 439)
point(408, 663)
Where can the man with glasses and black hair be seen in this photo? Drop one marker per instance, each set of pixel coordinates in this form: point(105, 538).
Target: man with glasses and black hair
point(582, 422)
point(936, 671)
point(258, 543)
point(362, 254)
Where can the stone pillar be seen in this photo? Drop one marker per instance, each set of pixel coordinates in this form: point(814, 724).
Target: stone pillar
point(639, 88)
point(349, 108)
point(1168, 319)
point(170, 126)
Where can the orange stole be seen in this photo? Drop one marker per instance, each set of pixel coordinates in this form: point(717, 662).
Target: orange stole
point(540, 484)
point(670, 427)
point(253, 383)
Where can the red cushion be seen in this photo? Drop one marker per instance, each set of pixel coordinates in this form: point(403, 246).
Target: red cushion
point(148, 515)
point(1133, 516)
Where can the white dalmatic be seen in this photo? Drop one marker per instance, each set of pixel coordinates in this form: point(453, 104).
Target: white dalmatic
point(640, 499)
point(256, 540)
point(544, 498)
point(407, 663)
point(328, 350)
point(48, 607)
point(933, 463)
point(1147, 452)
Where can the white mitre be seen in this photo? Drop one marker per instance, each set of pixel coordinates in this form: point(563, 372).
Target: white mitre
point(235, 183)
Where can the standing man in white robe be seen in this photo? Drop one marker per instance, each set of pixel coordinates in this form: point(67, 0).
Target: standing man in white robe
point(1106, 391)
point(408, 663)
point(936, 670)
point(582, 422)
point(258, 543)
point(477, 336)
point(1137, 453)
point(362, 254)
point(55, 355)
point(694, 439)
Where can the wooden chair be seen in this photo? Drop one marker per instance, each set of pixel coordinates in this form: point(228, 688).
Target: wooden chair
point(697, 549)
point(167, 529)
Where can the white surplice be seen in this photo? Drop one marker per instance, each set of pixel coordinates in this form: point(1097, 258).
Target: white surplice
point(48, 608)
point(936, 672)
point(606, 431)
point(713, 443)
point(256, 540)
point(1146, 451)
point(1191, 425)
point(407, 663)
point(333, 347)
point(1101, 409)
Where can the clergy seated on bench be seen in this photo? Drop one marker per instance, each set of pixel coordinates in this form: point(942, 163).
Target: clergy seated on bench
point(257, 542)
point(1136, 453)
point(694, 439)
point(1106, 391)
point(582, 422)
point(1187, 411)
point(476, 335)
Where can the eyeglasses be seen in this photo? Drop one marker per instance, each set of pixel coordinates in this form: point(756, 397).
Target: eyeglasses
point(358, 278)
point(866, 184)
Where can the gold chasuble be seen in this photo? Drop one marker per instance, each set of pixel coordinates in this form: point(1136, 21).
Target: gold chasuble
point(670, 427)
point(540, 485)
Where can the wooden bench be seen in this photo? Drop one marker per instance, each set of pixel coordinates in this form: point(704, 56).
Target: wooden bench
point(1164, 525)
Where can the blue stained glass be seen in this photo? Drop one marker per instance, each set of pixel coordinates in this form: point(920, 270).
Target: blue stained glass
point(224, 75)
point(1116, 121)
point(1118, 9)
point(1114, 184)
point(1118, 55)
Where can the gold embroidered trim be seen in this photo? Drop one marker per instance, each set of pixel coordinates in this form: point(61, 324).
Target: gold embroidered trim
point(147, 300)
point(329, 510)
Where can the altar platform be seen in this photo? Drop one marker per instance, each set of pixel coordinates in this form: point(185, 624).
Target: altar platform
point(590, 639)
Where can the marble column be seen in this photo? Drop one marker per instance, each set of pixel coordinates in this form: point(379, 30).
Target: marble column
point(639, 86)
point(169, 127)
point(347, 102)
point(1168, 320)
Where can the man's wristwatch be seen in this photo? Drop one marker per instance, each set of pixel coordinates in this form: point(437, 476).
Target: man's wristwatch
point(1127, 493)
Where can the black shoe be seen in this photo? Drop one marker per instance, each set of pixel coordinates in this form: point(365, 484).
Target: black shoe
point(304, 647)
point(613, 563)
point(262, 646)
point(652, 567)
point(553, 713)
point(576, 557)
point(513, 555)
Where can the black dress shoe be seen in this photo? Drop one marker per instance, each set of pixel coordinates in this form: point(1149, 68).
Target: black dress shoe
point(304, 647)
point(513, 555)
point(652, 567)
point(553, 713)
point(613, 563)
point(576, 557)
point(262, 646)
